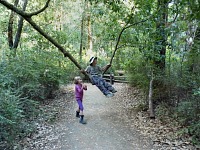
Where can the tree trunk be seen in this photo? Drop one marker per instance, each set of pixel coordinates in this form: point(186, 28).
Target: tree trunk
point(151, 111)
point(90, 43)
point(160, 50)
point(20, 26)
point(13, 45)
point(194, 56)
point(82, 29)
point(10, 26)
point(161, 38)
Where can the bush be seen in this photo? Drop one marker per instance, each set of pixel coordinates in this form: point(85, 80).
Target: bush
point(23, 81)
point(14, 110)
point(188, 115)
point(137, 73)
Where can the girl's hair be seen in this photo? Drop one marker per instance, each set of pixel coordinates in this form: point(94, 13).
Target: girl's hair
point(76, 79)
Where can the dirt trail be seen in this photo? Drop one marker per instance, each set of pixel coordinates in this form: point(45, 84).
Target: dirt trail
point(106, 128)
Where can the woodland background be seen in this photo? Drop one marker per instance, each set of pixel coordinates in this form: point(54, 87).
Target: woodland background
point(156, 43)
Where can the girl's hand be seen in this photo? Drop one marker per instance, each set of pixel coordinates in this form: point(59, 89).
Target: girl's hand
point(85, 87)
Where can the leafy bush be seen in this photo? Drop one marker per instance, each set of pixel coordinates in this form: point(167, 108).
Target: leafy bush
point(194, 130)
point(138, 73)
point(14, 110)
point(188, 114)
point(23, 81)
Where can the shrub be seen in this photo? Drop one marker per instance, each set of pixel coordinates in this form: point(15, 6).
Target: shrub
point(188, 114)
point(14, 111)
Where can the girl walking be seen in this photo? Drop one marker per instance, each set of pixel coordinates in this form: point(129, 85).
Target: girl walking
point(79, 87)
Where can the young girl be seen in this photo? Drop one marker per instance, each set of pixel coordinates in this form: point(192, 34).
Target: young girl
point(79, 87)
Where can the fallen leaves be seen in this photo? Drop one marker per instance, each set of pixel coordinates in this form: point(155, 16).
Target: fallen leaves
point(164, 134)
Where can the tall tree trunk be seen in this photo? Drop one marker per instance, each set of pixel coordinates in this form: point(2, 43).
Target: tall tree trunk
point(20, 26)
point(14, 44)
point(90, 43)
point(160, 50)
point(82, 29)
point(151, 110)
point(10, 26)
point(194, 56)
point(160, 45)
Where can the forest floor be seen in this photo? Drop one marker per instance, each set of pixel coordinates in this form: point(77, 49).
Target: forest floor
point(112, 124)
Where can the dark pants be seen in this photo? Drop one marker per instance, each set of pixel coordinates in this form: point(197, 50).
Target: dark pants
point(104, 86)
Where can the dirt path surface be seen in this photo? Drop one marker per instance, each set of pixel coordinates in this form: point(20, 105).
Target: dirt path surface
point(106, 128)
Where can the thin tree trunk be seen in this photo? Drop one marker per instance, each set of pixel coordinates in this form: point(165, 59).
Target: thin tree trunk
point(151, 111)
point(90, 43)
point(10, 26)
point(160, 45)
point(81, 42)
point(19, 29)
point(82, 29)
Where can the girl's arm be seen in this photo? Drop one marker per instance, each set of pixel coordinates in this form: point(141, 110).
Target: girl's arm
point(106, 67)
point(79, 88)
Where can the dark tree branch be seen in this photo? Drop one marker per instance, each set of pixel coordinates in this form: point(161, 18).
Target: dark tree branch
point(18, 11)
point(119, 37)
point(41, 10)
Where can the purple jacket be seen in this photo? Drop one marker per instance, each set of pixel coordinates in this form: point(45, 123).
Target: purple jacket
point(78, 92)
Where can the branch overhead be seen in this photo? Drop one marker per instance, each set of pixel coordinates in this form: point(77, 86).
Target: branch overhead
point(21, 12)
point(41, 10)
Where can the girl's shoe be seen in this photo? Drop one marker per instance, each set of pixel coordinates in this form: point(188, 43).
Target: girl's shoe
point(77, 114)
point(82, 120)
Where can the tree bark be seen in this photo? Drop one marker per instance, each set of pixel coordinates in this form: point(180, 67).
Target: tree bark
point(10, 26)
point(194, 56)
point(20, 26)
point(151, 110)
point(90, 42)
point(82, 29)
point(161, 38)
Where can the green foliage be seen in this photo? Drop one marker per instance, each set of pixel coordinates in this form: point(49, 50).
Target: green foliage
point(137, 70)
point(188, 114)
point(24, 80)
point(14, 112)
point(194, 130)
